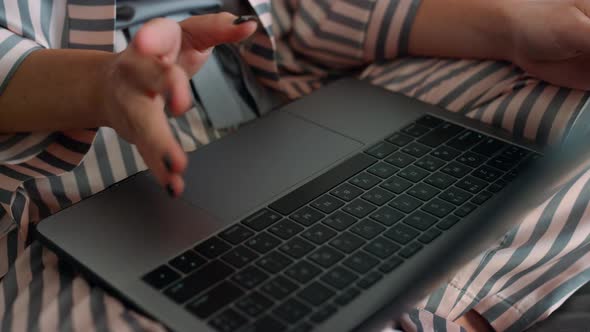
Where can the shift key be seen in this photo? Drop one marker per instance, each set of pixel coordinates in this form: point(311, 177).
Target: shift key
point(215, 299)
point(198, 281)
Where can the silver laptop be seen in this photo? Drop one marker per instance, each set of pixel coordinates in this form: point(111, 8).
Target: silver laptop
point(334, 213)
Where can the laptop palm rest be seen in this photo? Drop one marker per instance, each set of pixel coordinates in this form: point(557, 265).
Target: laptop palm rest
point(226, 180)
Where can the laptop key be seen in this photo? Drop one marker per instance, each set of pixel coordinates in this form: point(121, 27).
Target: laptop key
point(361, 262)
point(161, 277)
point(413, 173)
point(399, 139)
point(438, 208)
point(466, 140)
point(423, 191)
point(487, 173)
point(347, 296)
point(254, 304)
point(401, 234)
point(415, 130)
point(465, 209)
point(285, 229)
point(445, 153)
point(327, 204)
point(261, 219)
point(324, 313)
point(367, 229)
point(383, 170)
point(400, 159)
point(346, 192)
point(228, 321)
point(405, 203)
point(236, 234)
point(359, 208)
point(265, 324)
point(369, 280)
point(303, 271)
point(457, 170)
point(448, 222)
point(497, 186)
point(416, 149)
point(429, 121)
point(489, 147)
point(322, 184)
point(318, 234)
point(188, 262)
point(208, 303)
point(482, 197)
point(347, 242)
point(339, 277)
point(274, 262)
point(212, 247)
point(307, 216)
point(326, 257)
point(420, 220)
point(440, 180)
point(515, 153)
point(472, 184)
point(378, 196)
point(411, 249)
point(390, 264)
point(250, 277)
point(315, 294)
point(291, 311)
point(263, 242)
point(381, 150)
point(239, 257)
point(339, 220)
point(396, 185)
point(198, 281)
point(472, 159)
point(455, 195)
point(430, 163)
point(502, 163)
point(279, 288)
point(441, 134)
point(297, 247)
point(429, 236)
point(365, 180)
point(387, 216)
point(381, 247)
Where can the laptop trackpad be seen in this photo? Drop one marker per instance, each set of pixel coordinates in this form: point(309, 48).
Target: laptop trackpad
point(232, 177)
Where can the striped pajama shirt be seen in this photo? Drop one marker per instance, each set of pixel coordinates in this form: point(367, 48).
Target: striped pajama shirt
point(303, 44)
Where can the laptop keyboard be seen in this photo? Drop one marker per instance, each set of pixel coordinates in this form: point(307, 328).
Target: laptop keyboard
point(294, 264)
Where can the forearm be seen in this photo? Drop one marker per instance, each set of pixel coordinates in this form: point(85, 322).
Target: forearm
point(54, 90)
point(477, 29)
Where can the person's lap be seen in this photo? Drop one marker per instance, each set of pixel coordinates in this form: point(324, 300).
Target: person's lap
point(38, 291)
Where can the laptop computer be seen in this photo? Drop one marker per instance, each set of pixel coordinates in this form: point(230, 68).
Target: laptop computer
point(334, 213)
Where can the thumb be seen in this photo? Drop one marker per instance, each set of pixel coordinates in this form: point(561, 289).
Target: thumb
point(160, 38)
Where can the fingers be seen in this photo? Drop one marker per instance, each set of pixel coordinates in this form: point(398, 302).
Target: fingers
point(159, 149)
point(574, 30)
point(202, 33)
point(206, 31)
point(161, 38)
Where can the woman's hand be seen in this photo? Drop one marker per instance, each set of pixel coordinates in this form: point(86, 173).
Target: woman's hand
point(551, 40)
point(154, 71)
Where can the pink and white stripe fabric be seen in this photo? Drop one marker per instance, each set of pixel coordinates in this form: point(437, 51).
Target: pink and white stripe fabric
point(303, 44)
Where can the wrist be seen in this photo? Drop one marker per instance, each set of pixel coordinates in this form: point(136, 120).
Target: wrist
point(101, 94)
point(499, 29)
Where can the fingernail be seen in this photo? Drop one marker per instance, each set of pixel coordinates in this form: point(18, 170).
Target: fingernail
point(170, 191)
point(167, 163)
point(245, 18)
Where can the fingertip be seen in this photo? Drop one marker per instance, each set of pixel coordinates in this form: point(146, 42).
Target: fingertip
point(175, 187)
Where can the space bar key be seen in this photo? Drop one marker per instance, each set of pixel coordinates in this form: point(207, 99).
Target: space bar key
point(322, 184)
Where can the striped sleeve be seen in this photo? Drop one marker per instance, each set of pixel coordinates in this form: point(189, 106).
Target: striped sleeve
point(349, 33)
